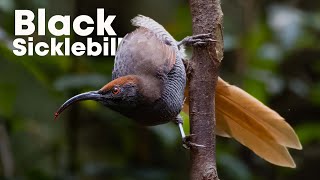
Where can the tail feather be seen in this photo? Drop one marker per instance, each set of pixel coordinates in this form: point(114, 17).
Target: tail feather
point(268, 150)
point(248, 111)
point(265, 132)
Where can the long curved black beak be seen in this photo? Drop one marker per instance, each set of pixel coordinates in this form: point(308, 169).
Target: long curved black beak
point(92, 95)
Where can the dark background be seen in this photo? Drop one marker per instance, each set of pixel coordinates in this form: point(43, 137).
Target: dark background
point(272, 50)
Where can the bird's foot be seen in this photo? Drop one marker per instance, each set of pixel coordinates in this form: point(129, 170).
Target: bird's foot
point(188, 144)
point(196, 40)
point(186, 140)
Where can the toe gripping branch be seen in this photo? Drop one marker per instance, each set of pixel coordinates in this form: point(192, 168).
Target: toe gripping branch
point(196, 40)
point(186, 140)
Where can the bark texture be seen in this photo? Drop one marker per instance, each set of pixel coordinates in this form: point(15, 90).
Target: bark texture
point(206, 18)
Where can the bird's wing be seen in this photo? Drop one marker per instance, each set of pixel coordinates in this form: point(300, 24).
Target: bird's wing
point(265, 132)
point(141, 52)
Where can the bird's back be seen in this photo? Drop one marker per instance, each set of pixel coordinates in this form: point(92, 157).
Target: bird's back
point(150, 48)
point(141, 52)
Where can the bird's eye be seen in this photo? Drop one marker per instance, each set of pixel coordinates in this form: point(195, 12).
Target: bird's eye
point(115, 90)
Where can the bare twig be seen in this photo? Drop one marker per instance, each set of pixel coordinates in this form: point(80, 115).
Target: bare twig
point(206, 18)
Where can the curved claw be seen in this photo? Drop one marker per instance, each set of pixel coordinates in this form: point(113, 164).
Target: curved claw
point(188, 144)
point(196, 40)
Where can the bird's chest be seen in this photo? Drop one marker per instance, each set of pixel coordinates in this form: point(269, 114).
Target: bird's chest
point(151, 114)
point(160, 100)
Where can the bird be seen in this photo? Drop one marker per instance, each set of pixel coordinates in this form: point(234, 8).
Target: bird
point(149, 86)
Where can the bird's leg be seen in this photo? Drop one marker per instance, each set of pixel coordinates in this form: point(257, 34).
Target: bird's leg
point(186, 140)
point(196, 40)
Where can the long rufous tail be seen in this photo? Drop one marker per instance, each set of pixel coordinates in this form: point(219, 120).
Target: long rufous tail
point(244, 118)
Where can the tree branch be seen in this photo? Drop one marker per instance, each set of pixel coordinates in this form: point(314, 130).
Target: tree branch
point(206, 18)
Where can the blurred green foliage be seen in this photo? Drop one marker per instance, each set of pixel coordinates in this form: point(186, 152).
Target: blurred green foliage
point(272, 50)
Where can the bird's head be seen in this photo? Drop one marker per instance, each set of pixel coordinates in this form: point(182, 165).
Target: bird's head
point(118, 94)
